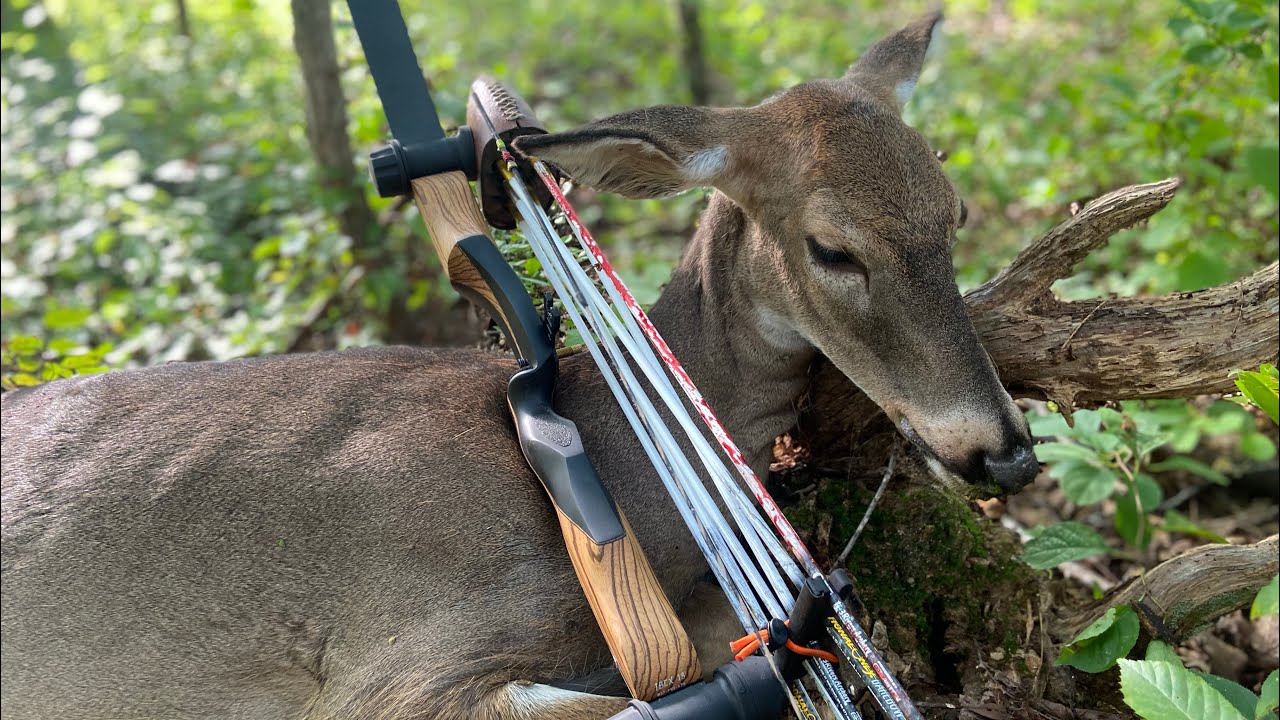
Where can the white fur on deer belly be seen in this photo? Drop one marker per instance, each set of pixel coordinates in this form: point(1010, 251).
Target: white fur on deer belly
point(534, 699)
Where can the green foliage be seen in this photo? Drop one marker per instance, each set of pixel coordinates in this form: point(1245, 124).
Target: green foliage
point(1159, 686)
point(1062, 542)
point(1108, 639)
point(1159, 690)
point(26, 360)
point(1240, 697)
point(1268, 600)
point(1260, 389)
point(162, 183)
point(1269, 698)
point(1108, 455)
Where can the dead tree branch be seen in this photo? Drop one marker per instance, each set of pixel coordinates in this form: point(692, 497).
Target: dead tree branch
point(1187, 593)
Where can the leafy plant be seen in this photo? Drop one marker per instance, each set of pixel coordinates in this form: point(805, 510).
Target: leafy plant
point(1159, 690)
point(1115, 454)
point(1260, 389)
point(1268, 600)
point(26, 361)
point(1159, 687)
point(1098, 646)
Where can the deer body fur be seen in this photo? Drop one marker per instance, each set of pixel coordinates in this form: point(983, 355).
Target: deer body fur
point(356, 534)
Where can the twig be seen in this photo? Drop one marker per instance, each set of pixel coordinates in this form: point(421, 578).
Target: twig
point(1034, 270)
point(866, 516)
point(1079, 325)
point(1182, 496)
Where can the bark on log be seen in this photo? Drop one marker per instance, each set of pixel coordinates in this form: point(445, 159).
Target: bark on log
point(1185, 594)
point(1178, 345)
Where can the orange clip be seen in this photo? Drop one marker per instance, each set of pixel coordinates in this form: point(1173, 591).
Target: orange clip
point(746, 645)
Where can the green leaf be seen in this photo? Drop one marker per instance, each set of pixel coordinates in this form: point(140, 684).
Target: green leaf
point(1243, 19)
point(1268, 600)
point(1261, 391)
point(1130, 521)
point(1111, 418)
point(572, 338)
point(1162, 651)
point(1098, 646)
point(1240, 697)
point(1053, 452)
point(1202, 54)
point(1179, 25)
point(1260, 162)
point(1061, 543)
point(1088, 422)
point(1148, 491)
point(66, 318)
point(1257, 446)
point(1052, 425)
point(1191, 465)
point(79, 362)
point(1175, 521)
point(269, 247)
point(1163, 691)
point(25, 344)
point(1084, 483)
point(62, 346)
point(1107, 442)
point(1269, 702)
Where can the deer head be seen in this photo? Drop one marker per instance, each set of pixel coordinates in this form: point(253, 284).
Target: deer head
point(847, 245)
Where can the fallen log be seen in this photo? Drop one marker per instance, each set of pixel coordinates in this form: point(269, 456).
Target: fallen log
point(1185, 594)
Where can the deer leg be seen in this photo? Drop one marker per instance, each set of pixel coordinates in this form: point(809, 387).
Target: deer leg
point(486, 698)
point(532, 701)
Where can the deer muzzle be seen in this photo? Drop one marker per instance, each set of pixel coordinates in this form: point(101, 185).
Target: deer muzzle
point(1013, 469)
point(1001, 461)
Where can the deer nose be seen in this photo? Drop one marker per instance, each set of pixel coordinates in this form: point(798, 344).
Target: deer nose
point(1012, 470)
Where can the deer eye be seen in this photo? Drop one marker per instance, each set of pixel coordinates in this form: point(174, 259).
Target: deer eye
point(834, 259)
point(964, 215)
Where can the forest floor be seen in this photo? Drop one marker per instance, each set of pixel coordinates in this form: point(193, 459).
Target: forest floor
point(965, 624)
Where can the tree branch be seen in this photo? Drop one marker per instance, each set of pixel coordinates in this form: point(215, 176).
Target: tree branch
point(1179, 345)
point(1185, 594)
point(1053, 257)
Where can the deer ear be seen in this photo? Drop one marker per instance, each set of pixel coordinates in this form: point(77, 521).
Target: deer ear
point(655, 152)
point(889, 68)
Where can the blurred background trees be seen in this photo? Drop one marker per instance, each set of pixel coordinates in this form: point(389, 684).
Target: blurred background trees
point(164, 196)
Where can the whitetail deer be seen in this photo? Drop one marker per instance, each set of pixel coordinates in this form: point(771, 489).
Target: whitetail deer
point(356, 534)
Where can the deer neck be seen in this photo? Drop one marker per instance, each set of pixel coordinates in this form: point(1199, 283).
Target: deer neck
point(748, 363)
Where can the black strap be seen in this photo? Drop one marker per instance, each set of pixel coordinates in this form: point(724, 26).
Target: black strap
point(394, 66)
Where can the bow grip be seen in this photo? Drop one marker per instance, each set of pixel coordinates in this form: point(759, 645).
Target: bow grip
point(473, 263)
point(496, 111)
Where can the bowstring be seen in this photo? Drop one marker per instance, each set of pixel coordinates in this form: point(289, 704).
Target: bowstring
point(822, 674)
